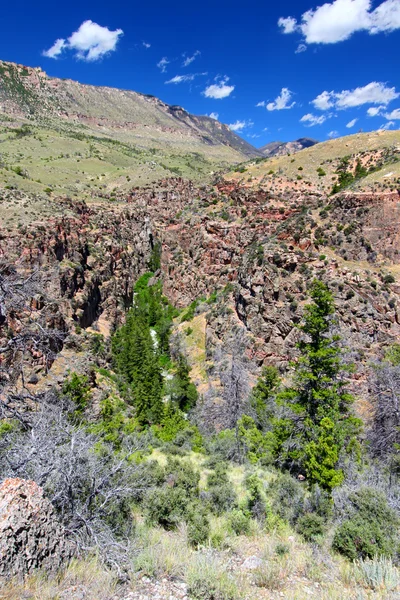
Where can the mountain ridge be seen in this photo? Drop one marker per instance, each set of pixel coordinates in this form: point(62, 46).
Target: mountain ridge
point(278, 148)
point(29, 91)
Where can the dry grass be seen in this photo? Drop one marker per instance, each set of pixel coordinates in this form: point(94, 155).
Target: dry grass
point(89, 575)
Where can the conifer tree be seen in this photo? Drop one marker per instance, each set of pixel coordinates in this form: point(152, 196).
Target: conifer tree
point(316, 425)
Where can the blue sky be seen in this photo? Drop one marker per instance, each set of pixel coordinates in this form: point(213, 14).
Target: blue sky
point(314, 69)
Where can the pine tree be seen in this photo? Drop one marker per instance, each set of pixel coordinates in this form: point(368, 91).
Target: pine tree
point(316, 425)
point(262, 396)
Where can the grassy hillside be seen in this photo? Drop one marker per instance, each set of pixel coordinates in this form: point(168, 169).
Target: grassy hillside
point(317, 167)
point(64, 137)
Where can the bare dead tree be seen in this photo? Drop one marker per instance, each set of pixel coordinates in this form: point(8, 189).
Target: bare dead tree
point(31, 338)
point(224, 407)
point(384, 434)
point(90, 489)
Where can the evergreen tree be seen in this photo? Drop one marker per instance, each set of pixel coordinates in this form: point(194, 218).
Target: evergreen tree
point(261, 400)
point(184, 392)
point(316, 424)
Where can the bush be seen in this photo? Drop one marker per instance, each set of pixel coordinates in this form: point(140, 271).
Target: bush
point(167, 506)
point(239, 522)
point(389, 279)
point(371, 528)
point(221, 494)
point(257, 502)
point(287, 497)
point(208, 579)
point(310, 526)
point(377, 574)
point(198, 525)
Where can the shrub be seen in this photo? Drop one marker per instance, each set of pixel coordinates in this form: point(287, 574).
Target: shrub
point(287, 497)
point(166, 506)
point(377, 573)
point(208, 579)
point(221, 494)
point(310, 526)
point(198, 525)
point(388, 279)
point(257, 502)
point(239, 522)
point(269, 575)
point(370, 529)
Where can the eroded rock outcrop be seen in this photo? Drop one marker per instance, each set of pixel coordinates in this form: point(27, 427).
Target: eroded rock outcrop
point(31, 537)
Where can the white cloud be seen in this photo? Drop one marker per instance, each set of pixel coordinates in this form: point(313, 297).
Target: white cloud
point(288, 24)
point(219, 90)
point(351, 123)
point(333, 134)
point(146, 45)
point(372, 93)
point(281, 102)
point(339, 20)
point(181, 78)
point(56, 49)
point(387, 125)
point(395, 114)
point(214, 115)
point(262, 103)
point(310, 119)
point(373, 111)
point(189, 59)
point(300, 48)
point(162, 64)
point(240, 125)
point(90, 42)
point(323, 101)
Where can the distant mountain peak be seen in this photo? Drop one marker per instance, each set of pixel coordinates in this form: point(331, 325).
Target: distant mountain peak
point(283, 148)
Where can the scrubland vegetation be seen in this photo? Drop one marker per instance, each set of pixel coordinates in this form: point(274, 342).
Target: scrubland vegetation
point(294, 498)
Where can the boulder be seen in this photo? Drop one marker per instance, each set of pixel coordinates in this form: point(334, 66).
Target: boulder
point(31, 537)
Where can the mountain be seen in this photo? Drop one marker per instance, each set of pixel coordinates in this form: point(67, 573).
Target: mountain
point(120, 136)
point(136, 319)
point(363, 161)
point(284, 148)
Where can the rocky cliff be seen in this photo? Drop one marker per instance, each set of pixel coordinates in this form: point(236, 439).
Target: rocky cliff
point(258, 250)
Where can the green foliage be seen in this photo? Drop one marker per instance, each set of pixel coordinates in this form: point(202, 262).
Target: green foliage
point(77, 389)
point(184, 392)
point(6, 427)
point(177, 500)
point(371, 528)
point(287, 496)
point(263, 393)
point(239, 522)
point(310, 526)
point(256, 498)
point(321, 172)
point(254, 442)
point(392, 355)
point(137, 352)
point(221, 494)
point(316, 409)
point(198, 524)
point(207, 579)
point(155, 258)
point(346, 177)
point(189, 313)
point(114, 423)
point(389, 279)
point(377, 573)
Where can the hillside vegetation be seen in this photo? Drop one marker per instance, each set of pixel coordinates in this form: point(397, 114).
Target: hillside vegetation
point(75, 139)
point(319, 167)
point(201, 374)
